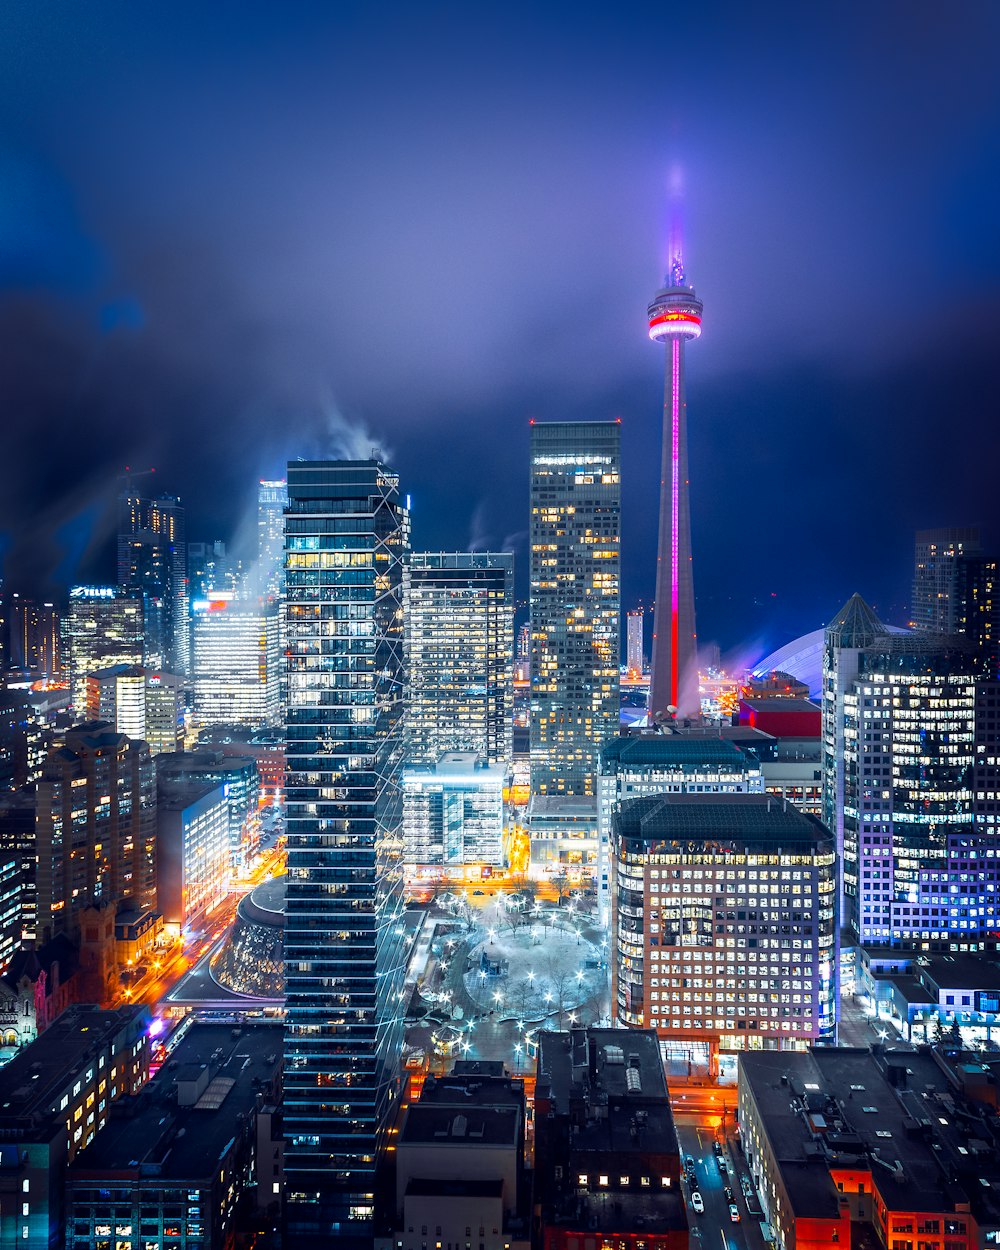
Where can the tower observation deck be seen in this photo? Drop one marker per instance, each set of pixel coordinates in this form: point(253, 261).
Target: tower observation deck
point(674, 319)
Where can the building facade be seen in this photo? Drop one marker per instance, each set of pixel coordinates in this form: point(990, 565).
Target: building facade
point(152, 562)
point(192, 850)
point(453, 816)
point(459, 616)
point(346, 538)
point(646, 764)
point(272, 500)
point(936, 606)
point(575, 604)
point(140, 703)
point(104, 627)
point(237, 666)
point(723, 923)
point(95, 827)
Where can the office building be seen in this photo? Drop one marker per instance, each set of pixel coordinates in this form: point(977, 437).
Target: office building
point(272, 499)
point(95, 828)
point(140, 703)
point(17, 838)
point(907, 722)
point(21, 740)
point(459, 1164)
point(104, 627)
point(58, 1095)
point(979, 608)
point(459, 619)
point(674, 319)
point(453, 816)
point(723, 926)
point(936, 577)
point(152, 563)
point(650, 763)
point(193, 857)
point(794, 773)
point(929, 997)
point(33, 638)
point(575, 606)
point(842, 1143)
point(240, 777)
point(634, 644)
point(346, 537)
point(10, 908)
point(237, 666)
point(607, 1162)
point(176, 1161)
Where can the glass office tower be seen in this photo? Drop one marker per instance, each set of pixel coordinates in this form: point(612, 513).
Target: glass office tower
point(460, 654)
point(346, 533)
point(575, 601)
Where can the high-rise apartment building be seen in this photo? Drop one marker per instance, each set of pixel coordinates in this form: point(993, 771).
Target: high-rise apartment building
point(674, 320)
point(33, 641)
point(104, 627)
point(237, 665)
point(95, 827)
point(152, 561)
point(459, 615)
point(936, 584)
point(575, 608)
point(723, 923)
point(272, 499)
point(346, 537)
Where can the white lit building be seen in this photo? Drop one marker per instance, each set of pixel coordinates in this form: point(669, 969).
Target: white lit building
point(237, 658)
point(143, 704)
point(453, 815)
point(103, 627)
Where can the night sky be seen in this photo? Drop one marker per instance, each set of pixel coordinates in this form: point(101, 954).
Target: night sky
point(235, 233)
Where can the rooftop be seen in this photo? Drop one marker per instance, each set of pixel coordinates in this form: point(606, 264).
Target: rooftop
point(35, 1079)
point(753, 819)
point(672, 751)
point(428, 1124)
point(185, 1143)
point(895, 1114)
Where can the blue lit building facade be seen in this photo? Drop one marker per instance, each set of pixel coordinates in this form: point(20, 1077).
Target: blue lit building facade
point(346, 533)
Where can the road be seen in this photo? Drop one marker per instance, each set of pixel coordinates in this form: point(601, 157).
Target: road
point(715, 1230)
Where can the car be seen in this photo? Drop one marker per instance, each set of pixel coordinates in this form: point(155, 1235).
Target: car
point(478, 893)
point(734, 1214)
point(717, 1147)
point(723, 1166)
point(689, 1162)
point(729, 1194)
point(697, 1202)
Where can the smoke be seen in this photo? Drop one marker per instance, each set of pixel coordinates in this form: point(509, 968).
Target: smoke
point(349, 438)
point(479, 538)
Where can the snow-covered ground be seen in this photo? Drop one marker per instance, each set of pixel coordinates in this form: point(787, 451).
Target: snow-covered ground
point(547, 970)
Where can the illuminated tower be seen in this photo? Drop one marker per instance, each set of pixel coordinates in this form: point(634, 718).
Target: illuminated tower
point(674, 317)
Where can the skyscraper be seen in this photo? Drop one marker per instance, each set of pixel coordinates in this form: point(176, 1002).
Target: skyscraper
point(674, 318)
point(272, 499)
point(575, 601)
point(459, 654)
point(152, 560)
point(236, 665)
point(936, 577)
point(104, 626)
point(346, 536)
point(633, 642)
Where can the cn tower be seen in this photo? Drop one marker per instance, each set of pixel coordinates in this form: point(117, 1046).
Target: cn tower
point(674, 318)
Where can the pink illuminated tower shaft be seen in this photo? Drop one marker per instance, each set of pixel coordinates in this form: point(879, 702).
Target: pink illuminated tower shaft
point(674, 318)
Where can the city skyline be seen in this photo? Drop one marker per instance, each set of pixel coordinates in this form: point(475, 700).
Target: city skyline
point(253, 336)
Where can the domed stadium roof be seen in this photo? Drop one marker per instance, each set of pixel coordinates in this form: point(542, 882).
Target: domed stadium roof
point(855, 625)
point(252, 960)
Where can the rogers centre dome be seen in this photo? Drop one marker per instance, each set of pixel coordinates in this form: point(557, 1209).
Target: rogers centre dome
point(252, 960)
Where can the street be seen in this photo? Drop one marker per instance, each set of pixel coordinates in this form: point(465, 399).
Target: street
point(695, 1136)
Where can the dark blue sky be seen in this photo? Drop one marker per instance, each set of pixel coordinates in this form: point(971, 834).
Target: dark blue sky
point(231, 233)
